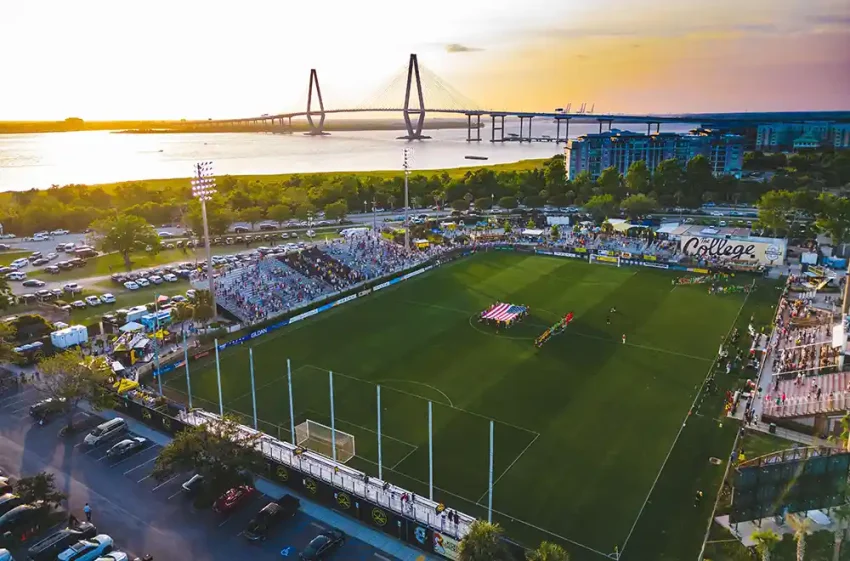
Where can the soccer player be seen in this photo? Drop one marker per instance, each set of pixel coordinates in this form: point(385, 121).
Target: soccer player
point(624, 338)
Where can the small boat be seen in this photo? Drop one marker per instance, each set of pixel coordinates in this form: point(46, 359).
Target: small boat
point(476, 157)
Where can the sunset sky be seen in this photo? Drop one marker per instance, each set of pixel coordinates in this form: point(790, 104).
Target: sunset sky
point(173, 59)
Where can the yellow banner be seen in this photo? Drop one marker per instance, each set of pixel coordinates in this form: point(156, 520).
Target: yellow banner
point(580, 250)
point(701, 271)
point(649, 258)
point(606, 259)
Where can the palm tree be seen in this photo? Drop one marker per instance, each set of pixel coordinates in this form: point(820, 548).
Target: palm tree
point(841, 515)
point(483, 543)
point(765, 540)
point(802, 526)
point(548, 551)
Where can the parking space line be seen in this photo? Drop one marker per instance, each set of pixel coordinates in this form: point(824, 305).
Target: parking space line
point(17, 395)
point(225, 521)
point(175, 494)
point(169, 480)
point(131, 456)
point(141, 464)
point(379, 556)
point(317, 525)
point(20, 409)
point(145, 477)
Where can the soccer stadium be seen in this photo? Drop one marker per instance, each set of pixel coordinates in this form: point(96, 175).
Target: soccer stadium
point(593, 375)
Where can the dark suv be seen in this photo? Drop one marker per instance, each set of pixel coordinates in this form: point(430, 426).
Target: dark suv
point(54, 544)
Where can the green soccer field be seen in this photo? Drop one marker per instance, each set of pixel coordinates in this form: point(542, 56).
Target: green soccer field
point(583, 425)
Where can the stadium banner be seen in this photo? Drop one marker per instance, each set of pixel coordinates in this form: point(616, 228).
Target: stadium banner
point(420, 535)
point(566, 254)
point(342, 301)
point(698, 270)
point(381, 286)
point(768, 252)
point(650, 258)
point(446, 546)
point(544, 252)
point(626, 255)
point(580, 250)
point(606, 259)
point(363, 293)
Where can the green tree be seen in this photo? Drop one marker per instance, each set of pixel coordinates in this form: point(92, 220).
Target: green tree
point(699, 180)
point(534, 201)
point(7, 338)
point(460, 204)
point(5, 293)
point(802, 527)
point(469, 197)
point(125, 234)
point(774, 207)
point(39, 487)
point(638, 205)
point(601, 206)
point(483, 542)
point(548, 551)
point(203, 310)
point(841, 516)
point(336, 211)
point(251, 215)
point(611, 182)
point(833, 218)
point(638, 178)
point(218, 450)
point(507, 227)
point(71, 377)
point(766, 541)
point(554, 232)
point(668, 179)
point(509, 203)
point(483, 203)
point(219, 216)
point(280, 213)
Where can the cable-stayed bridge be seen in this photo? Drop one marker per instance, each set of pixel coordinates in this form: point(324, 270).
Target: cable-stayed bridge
point(408, 92)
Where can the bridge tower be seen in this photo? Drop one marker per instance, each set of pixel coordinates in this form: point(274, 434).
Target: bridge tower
point(315, 129)
point(413, 73)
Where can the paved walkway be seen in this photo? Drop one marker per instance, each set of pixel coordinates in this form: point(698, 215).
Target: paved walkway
point(348, 526)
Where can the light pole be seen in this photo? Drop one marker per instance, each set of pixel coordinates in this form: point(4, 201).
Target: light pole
point(203, 187)
point(408, 156)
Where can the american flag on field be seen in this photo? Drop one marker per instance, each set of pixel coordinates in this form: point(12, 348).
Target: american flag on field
point(503, 312)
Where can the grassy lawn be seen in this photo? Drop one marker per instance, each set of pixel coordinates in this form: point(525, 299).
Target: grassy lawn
point(165, 184)
point(583, 425)
point(7, 257)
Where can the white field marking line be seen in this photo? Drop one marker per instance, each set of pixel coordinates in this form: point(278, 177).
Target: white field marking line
point(507, 469)
point(438, 307)
point(717, 498)
point(682, 428)
point(645, 347)
point(398, 463)
point(339, 420)
point(507, 424)
point(131, 456)
point(169, 480)
point(140, 465)
point(423, 384)
point(257, 389)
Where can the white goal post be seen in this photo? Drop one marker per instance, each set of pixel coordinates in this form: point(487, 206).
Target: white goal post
point(604, 259)
point(319, 438)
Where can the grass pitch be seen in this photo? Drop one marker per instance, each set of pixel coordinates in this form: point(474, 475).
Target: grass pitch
point(583, 426)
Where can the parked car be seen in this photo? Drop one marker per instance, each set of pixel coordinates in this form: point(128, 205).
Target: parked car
point(322, 545)
point(126, 447)
point(24, 521)
point(231, 499)
point(155, 279)
point(40, 261)
point(87, 550)
point(170, 278)
point(72, 288)
point(16, 276)
point(52, 269)
point(19, 263)
point(33, 283)
point(51, 256)
point(107, 298)
point(142, 281)
point(79, 304)
point(47, 408)
point(269, 516)
point(131, 285)
point(48, 548)
point(92, 300)
point(65, 265)
point(8, 501)
point(5, 485)
point(191, 294)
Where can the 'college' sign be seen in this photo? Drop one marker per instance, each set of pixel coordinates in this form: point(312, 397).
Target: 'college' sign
point(761, 252)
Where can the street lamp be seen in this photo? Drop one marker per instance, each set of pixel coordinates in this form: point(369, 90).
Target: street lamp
point(203, 187)
point(408, 157)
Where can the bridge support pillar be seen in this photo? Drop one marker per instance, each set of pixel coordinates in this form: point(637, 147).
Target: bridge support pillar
point(529, 127)
point(469, 128)
point(414, 132)
point(657, 127)
point(494, 128)
point(316, 129)
point(610, 122)
point(521, 124)
point(558, 130)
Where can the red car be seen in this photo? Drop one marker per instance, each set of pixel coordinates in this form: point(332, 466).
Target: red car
point(232, 499)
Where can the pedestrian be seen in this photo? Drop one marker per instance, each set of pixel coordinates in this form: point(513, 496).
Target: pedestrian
point(87, 511)
point(624, 338)
point(698, 496)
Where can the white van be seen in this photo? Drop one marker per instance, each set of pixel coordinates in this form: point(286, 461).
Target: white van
point(106, 430)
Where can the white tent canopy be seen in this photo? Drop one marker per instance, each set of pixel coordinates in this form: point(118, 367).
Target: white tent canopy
point(130, 327)
point(530, 232)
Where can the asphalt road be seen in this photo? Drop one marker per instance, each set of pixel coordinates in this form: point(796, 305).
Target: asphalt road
point(141, 514)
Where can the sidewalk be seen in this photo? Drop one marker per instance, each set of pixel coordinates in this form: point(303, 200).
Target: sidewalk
point(792, 435)
point(347, 525)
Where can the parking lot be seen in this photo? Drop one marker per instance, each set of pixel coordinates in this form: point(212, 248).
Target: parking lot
point(143, 515)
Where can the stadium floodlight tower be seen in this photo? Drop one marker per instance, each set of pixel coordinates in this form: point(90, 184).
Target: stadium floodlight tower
point(203, 187)
point(408, 160)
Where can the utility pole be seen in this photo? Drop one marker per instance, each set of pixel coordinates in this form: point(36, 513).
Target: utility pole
point(203, 187)
point(408, 155)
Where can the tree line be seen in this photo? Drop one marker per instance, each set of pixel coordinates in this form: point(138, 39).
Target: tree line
point(75, 207)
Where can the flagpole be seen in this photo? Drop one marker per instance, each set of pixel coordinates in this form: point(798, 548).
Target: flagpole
point(253, 389)
point(490, 487)
point(430, 451)
point(333, 425)
point(380, 456)
point(291, 410)
point(218, 379)
point(186, 361)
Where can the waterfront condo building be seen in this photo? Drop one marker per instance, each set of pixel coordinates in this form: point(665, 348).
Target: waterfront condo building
point(780, 137)
point(620, 149)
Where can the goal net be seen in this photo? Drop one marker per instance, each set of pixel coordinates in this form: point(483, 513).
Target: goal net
point(320, 438)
